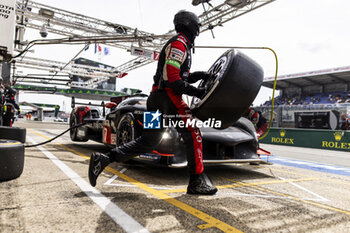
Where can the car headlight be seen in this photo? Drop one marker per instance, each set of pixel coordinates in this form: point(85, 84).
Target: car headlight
point(166, 135)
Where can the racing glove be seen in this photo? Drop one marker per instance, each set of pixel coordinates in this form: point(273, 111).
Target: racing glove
point(200, 92)
point(194, 91)
point(198, 75)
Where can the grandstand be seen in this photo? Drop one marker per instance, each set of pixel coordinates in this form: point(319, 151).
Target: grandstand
point(310, 99)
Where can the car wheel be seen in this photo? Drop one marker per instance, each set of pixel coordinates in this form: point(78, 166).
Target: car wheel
point(74, 132)
point(235, 82)
point(11, 159)
point(125, 129)
point(13, 133)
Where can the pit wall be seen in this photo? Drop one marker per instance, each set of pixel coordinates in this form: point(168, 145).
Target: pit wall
point(311, 138)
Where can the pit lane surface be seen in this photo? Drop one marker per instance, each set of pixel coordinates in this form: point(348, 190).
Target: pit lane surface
point(53, 194)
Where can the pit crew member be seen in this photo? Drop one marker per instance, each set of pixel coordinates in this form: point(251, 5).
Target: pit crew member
point(258, 121)
point(171, 81)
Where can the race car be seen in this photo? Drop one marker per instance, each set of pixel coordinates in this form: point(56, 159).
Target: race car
point(235, 142)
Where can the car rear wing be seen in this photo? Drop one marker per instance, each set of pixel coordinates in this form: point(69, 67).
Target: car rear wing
point(118, 99)
point(74, 103)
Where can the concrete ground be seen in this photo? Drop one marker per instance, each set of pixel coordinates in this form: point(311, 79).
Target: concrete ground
point(332, 157)
point(53, 193)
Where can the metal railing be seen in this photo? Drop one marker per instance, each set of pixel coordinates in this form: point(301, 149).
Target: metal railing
point(283, 115)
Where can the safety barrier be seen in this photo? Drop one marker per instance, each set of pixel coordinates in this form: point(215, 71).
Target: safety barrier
point(311, 138)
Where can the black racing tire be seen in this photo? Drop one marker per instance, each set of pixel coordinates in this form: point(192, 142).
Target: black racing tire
point(13, 133)
point(73, 133)
point(11, 159)
point(125, 129)
point(233, 87)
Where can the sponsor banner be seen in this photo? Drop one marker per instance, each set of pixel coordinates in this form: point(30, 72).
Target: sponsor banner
point(7, 25)
point(154, 55)
point(320, 139)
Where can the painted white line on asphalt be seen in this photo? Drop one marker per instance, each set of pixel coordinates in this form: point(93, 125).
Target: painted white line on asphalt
point(262, 196)
point(135, 186)
point(118, 215)
point(109, 182)
point(309, 165)
point(306, 190)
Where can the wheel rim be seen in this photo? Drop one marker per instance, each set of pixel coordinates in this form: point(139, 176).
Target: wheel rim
point(125, 133)
point(215, 71)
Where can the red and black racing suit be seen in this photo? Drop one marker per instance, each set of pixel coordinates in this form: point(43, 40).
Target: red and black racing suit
point(261, 125)
point(345, 124)
point(171, 80)
point(10, 106)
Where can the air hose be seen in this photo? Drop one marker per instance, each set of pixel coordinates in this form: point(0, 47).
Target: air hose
point(275, 81)
point(50, 140)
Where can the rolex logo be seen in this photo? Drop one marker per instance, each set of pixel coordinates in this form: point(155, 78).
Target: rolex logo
point(338, 135)
point(282, 132)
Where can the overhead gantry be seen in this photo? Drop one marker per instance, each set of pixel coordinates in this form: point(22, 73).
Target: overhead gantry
point(81, 29)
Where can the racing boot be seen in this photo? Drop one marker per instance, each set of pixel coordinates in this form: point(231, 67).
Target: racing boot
point(197, 185)
point(98, 162)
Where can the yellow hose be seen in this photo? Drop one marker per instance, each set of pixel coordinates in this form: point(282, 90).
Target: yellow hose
point(273, 94)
